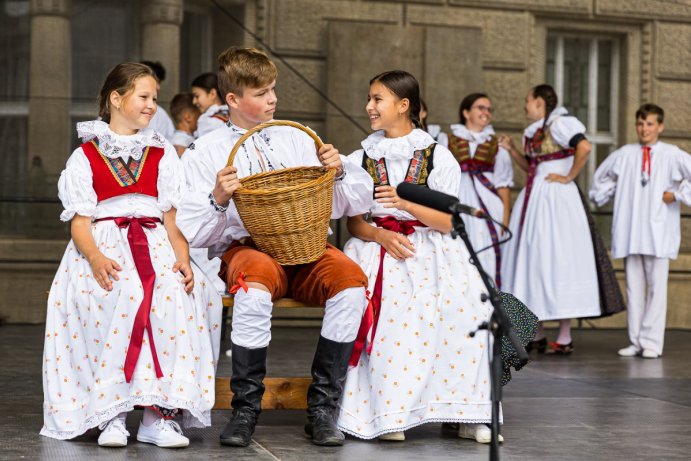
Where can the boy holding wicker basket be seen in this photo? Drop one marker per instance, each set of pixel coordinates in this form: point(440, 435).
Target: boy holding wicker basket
point(259, 272)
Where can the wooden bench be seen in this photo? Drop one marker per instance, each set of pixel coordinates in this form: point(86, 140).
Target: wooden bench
point(280, 393)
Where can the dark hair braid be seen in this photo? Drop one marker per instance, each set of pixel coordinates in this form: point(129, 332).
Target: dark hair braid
point(547, 93)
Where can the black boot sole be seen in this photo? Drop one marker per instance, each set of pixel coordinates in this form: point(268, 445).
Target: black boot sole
point(235, 442)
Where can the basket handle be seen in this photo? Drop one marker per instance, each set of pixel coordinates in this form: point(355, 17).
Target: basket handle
point(261, 126)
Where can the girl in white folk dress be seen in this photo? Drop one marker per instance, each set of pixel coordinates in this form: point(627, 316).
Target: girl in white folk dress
point(487, 175)
point(207, 97)
point(126, 325)
point(419, 364)
point(550, 262)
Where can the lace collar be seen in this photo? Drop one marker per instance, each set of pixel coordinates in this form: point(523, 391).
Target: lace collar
point(533, 127)
point(463, 132)
point(114, 145)
point(214, 109)
point(378, 146)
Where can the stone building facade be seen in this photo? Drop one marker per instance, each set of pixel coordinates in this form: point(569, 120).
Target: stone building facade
point(605, 57)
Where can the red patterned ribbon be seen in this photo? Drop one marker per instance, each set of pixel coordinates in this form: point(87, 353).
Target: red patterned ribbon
point(370, 318)
point(645, 169)
point(476, 170)
point(142, 261)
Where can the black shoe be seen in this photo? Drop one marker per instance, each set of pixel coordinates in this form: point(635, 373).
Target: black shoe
point(238, 432)
point(249, 369)
point(540, 345)
point(328, 375)
point(321, 427)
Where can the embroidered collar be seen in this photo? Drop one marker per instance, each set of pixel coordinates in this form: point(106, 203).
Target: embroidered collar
point(462, 131)
point(533, 127)
point(113, 145)
point(402, 148)
point(214, 109)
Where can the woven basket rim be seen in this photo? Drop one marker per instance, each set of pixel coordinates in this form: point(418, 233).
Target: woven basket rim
point(327, 174)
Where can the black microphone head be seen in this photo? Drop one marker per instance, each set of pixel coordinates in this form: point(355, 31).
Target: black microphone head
point(423, 195)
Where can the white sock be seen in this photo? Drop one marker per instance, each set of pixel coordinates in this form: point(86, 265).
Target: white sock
point(564, 331)
point(149, 417)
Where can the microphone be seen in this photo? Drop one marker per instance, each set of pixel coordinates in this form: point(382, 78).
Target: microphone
point(437, 200)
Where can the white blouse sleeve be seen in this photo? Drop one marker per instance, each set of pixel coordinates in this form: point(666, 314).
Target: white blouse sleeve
point(683, 175)
point(564, 128)
point(443, 139)
point(446, 174)
point(75, 187)
point(196, 218)
point(353, 193)
point(605, 179)
point(503, 170)
point(171, 180)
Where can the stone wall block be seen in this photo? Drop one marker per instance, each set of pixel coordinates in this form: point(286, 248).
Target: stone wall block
point(507, 90)
point(451, 72)
point(50, 7)
point(165, 11)
point(557, 6)
point(673, 61)
point(294, 95)
point(300, 26)
point(505, 35)
point(644, 9)
point(675, 99)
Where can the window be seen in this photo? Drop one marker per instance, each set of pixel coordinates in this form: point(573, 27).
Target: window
point(584, 72)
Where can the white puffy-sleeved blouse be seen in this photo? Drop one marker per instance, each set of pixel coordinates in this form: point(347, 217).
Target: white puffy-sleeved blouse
point(75, 186)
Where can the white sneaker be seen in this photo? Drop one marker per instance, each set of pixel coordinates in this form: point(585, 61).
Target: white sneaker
point(629, 351)
point(393, 436)
point(649, 354)
point(479, 432)
point(165, 433)
point(114, 433)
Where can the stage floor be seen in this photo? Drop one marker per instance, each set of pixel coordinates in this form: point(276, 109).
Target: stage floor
point(592, 405)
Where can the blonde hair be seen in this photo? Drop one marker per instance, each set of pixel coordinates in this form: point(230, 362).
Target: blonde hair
point(240, 68)
point(120, 79)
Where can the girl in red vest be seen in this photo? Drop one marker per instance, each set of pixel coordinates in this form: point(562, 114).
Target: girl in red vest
point(125, 324)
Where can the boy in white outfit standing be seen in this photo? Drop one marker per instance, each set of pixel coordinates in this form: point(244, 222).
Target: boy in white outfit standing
point(648, 179)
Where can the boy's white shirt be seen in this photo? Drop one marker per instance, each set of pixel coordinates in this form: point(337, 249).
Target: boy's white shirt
point(642, 223)
point(279, 147)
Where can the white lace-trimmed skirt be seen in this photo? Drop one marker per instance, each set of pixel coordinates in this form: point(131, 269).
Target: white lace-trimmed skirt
point(87, 336)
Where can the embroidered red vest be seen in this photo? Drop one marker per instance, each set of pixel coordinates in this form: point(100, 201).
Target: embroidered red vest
point(485, 153)
point(113, 177)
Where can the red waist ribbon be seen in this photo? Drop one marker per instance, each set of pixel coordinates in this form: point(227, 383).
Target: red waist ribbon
point(142, 261)
point(370, 318)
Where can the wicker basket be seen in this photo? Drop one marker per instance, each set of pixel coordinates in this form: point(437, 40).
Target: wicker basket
point(286, 212)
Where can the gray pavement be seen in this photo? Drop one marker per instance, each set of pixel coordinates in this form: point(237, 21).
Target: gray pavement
point(592, 405)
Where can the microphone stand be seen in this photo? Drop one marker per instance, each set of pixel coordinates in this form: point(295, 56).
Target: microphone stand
point(499, 325)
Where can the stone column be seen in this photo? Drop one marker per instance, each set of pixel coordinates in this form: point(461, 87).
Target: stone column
point(49, 84)
point(161, 20)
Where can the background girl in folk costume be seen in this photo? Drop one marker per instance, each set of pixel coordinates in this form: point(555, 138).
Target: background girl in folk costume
point(486, 176)
point(419, 365)
point(126, 325)
point(207, 98)
point(556, 262)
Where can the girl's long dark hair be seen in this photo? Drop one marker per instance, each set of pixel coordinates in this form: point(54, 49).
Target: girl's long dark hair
point(405, 86)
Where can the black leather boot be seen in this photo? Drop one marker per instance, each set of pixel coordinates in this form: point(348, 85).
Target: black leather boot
point(328, 375)
point(249, 369)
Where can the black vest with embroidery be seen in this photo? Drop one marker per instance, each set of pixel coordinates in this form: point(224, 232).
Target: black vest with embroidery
point(419, 168)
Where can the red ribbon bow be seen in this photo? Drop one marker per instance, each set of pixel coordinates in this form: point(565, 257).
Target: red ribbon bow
point(142, 261)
